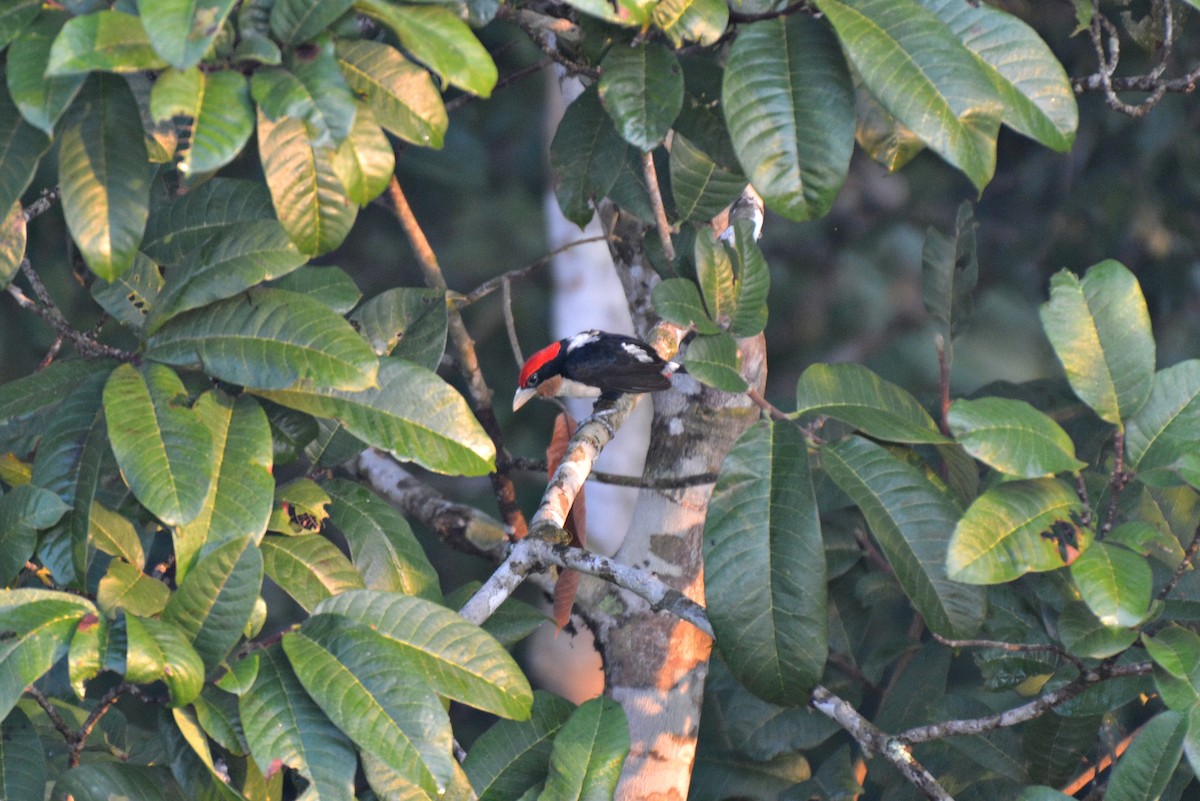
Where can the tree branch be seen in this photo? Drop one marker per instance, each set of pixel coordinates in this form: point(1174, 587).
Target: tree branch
point(492, 284)
point(1184, 565)
point(49, 313)
point(661, 224)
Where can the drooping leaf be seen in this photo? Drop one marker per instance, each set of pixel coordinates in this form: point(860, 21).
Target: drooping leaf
point(700, 185)
point(855, 395)
point(912, 521)
point(678, 301)
point(218, 110)
point(401, 93)
point(587, 155)
point(924, 75)
point(715, 360)
point(1100, 329)
point(159, 651)
point(126, 587)
point(752, 282)
point(413, 414)
point(762, 523)
point(177, 229)
point(1012, 437)
point(408, 322)
point(22, 147)
point(22, 760)
point(1008, 530)
point(41, 99)
point(297, 21)
point(789, 105)
point(949, 272)
point(309, 567)
point(1143, 771)
point(24, 510)
point(37, 625)
point(104, 174)
point(269, 339)
point(364, 160)
point(1115, 583)
point(588, 752)
point(109, 41)
point(513, 756)
point(641, 87)
point(165, 453)
point(181, 31)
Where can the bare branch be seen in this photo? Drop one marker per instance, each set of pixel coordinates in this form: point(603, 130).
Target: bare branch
point(42, 205)
point(1012, 647)
point(656, 201)
point(492, 284)
point(49, 313)
point(638, 482)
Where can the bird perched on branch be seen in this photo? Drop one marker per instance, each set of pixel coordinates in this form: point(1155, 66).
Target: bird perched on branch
point(593, 364)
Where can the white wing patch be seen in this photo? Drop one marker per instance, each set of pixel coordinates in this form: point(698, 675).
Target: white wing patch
point(637, 352)
point(582, 338)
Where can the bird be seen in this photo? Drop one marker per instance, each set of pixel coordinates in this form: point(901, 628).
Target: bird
point(593, 364)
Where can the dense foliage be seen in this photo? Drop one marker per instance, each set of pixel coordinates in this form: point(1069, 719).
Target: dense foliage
point(992, 599)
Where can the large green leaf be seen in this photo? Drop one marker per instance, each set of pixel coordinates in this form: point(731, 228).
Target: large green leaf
point(1167, 427)
point(177, 229)
point(408, 322)
point(752, 282)
point(1100, 329)
point(215, 601)
point(588, 753)
point(269, 339)
point(22, 760)
point(1174, 649)
point(104, 175)
point(15, 17)
point(1012, 437)
point(461, 661)
point(513, 756)
point(641, 86)
point(413, 414)
point(912, 522)
point(308, 195)
point(715, 360)
point(364, 160)
point(181, 31)
point(1142, 772)
point(764, 565)
point(1006, 532)
point(115, 535)
point(401, 93)
point(855, 395)
point(949, 272)
point(35, 627)
point(123, 586)
point(587, 155)
point(284, 725)
point(789, 105)
point(159, 651)
point(382, 545)
point(440, 40)
point(24, 510)
point(330, 285)
point(46, 387)
point(376, 696)
point(219, 113)
point(165, 453)
point(106, 781)
point(309, 568)
point(1037, 95)
point(21, 147)
point(231, 262)
point(108, 41)
point(700, 185)
point(922, 74)
point(132, 297)
point(677, 300)
point(239, 500)
point(1115, 583)
point(42, 100)
point(297, 21)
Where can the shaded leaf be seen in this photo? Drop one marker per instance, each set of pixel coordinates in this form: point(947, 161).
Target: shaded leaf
point(181, 31)
point(715, 360)
point(1142, 772)
point(1168, 426)
point(177, 229)
point(855, 395)
point(949, 272)
point(700, 186)
point(309, 568)
point(1115, 583)
point(641, 87)
point(298, 21)
point(22, 761)
point(1012, 437)
point(408, 322)
point(330, 285)
point(159, 651)
point(132, 296)
point(513, 756)
point(587, 155)
point(364, 160)
point(677, 300)
point(41, 99)
point(588, 753)
point(104, 781)
point(125, 587)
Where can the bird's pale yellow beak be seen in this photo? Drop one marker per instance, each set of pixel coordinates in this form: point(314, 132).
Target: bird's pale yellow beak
point(522, 397)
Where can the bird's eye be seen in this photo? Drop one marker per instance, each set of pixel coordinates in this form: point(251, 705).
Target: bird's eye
point(533, 380)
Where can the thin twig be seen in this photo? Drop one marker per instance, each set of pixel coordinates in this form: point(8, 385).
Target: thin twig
point(492, 284)
point(1119, 481)
point(506, 81)
point(42, 205)
point(1012, 647)
point(510, 323)
point(656, 202)
point(49, 313)
point(637, 482)
point(1184, 565)
point(102, 707)
point(773, 411)
point(56, 720)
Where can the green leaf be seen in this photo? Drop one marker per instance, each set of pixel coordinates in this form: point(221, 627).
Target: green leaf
point(231, 262)
point(309, 568)
point(587, 155)
point(239, 500)
point(701, 187)
point(241, 675)
point(437, 38)
point(408, 322)
point(1174, 649)
point(23, 511)
point(1168, 426)
point(1012, 437)
point(106, 41)
point(855, 395)
point(912, 521)
point(413, 414)
point(714, 274)
point(949, 272)
point(132, 297)
point(677, 300)
point(789, 105)
point(702, 21)
point(124, 586)
point(460, 661)
point(35, 627)
point(382, 702)
point(104, 174)
point(753, 282)
point(641, 86)
point(297, 21)
point(21, 148)
point(159, 651)
point(1100, 329)
point(714, 359)
point(764, 565)
point(1005, 533)
point(218, 110)
point(1142, 772)
point(1115, 583)
point(46, 387)
point(364, 161)
point(284, 724)
point(165, 453)
point(382, 546)
point(12, 243)
point(113, 533)
point(330, 285)
point(84, 658)
point(922, 73)
point(317, 69)
point(177, 229)
point(401, 93)
point(22, 761)
point(1084, 635)
point(41, 99)
point(269, 339)
point(215, 601)
point(182, 31)
point(105, 781)
point(258, 50)
point(513, 756)
point(15, 17)
point(1037, 95)
point(305, 189)
point(588, 753)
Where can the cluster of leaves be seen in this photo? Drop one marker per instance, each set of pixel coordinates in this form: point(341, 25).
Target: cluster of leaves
point(992, 527)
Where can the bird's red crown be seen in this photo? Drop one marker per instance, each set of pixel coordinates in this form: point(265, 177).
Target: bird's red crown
point(538, 359)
